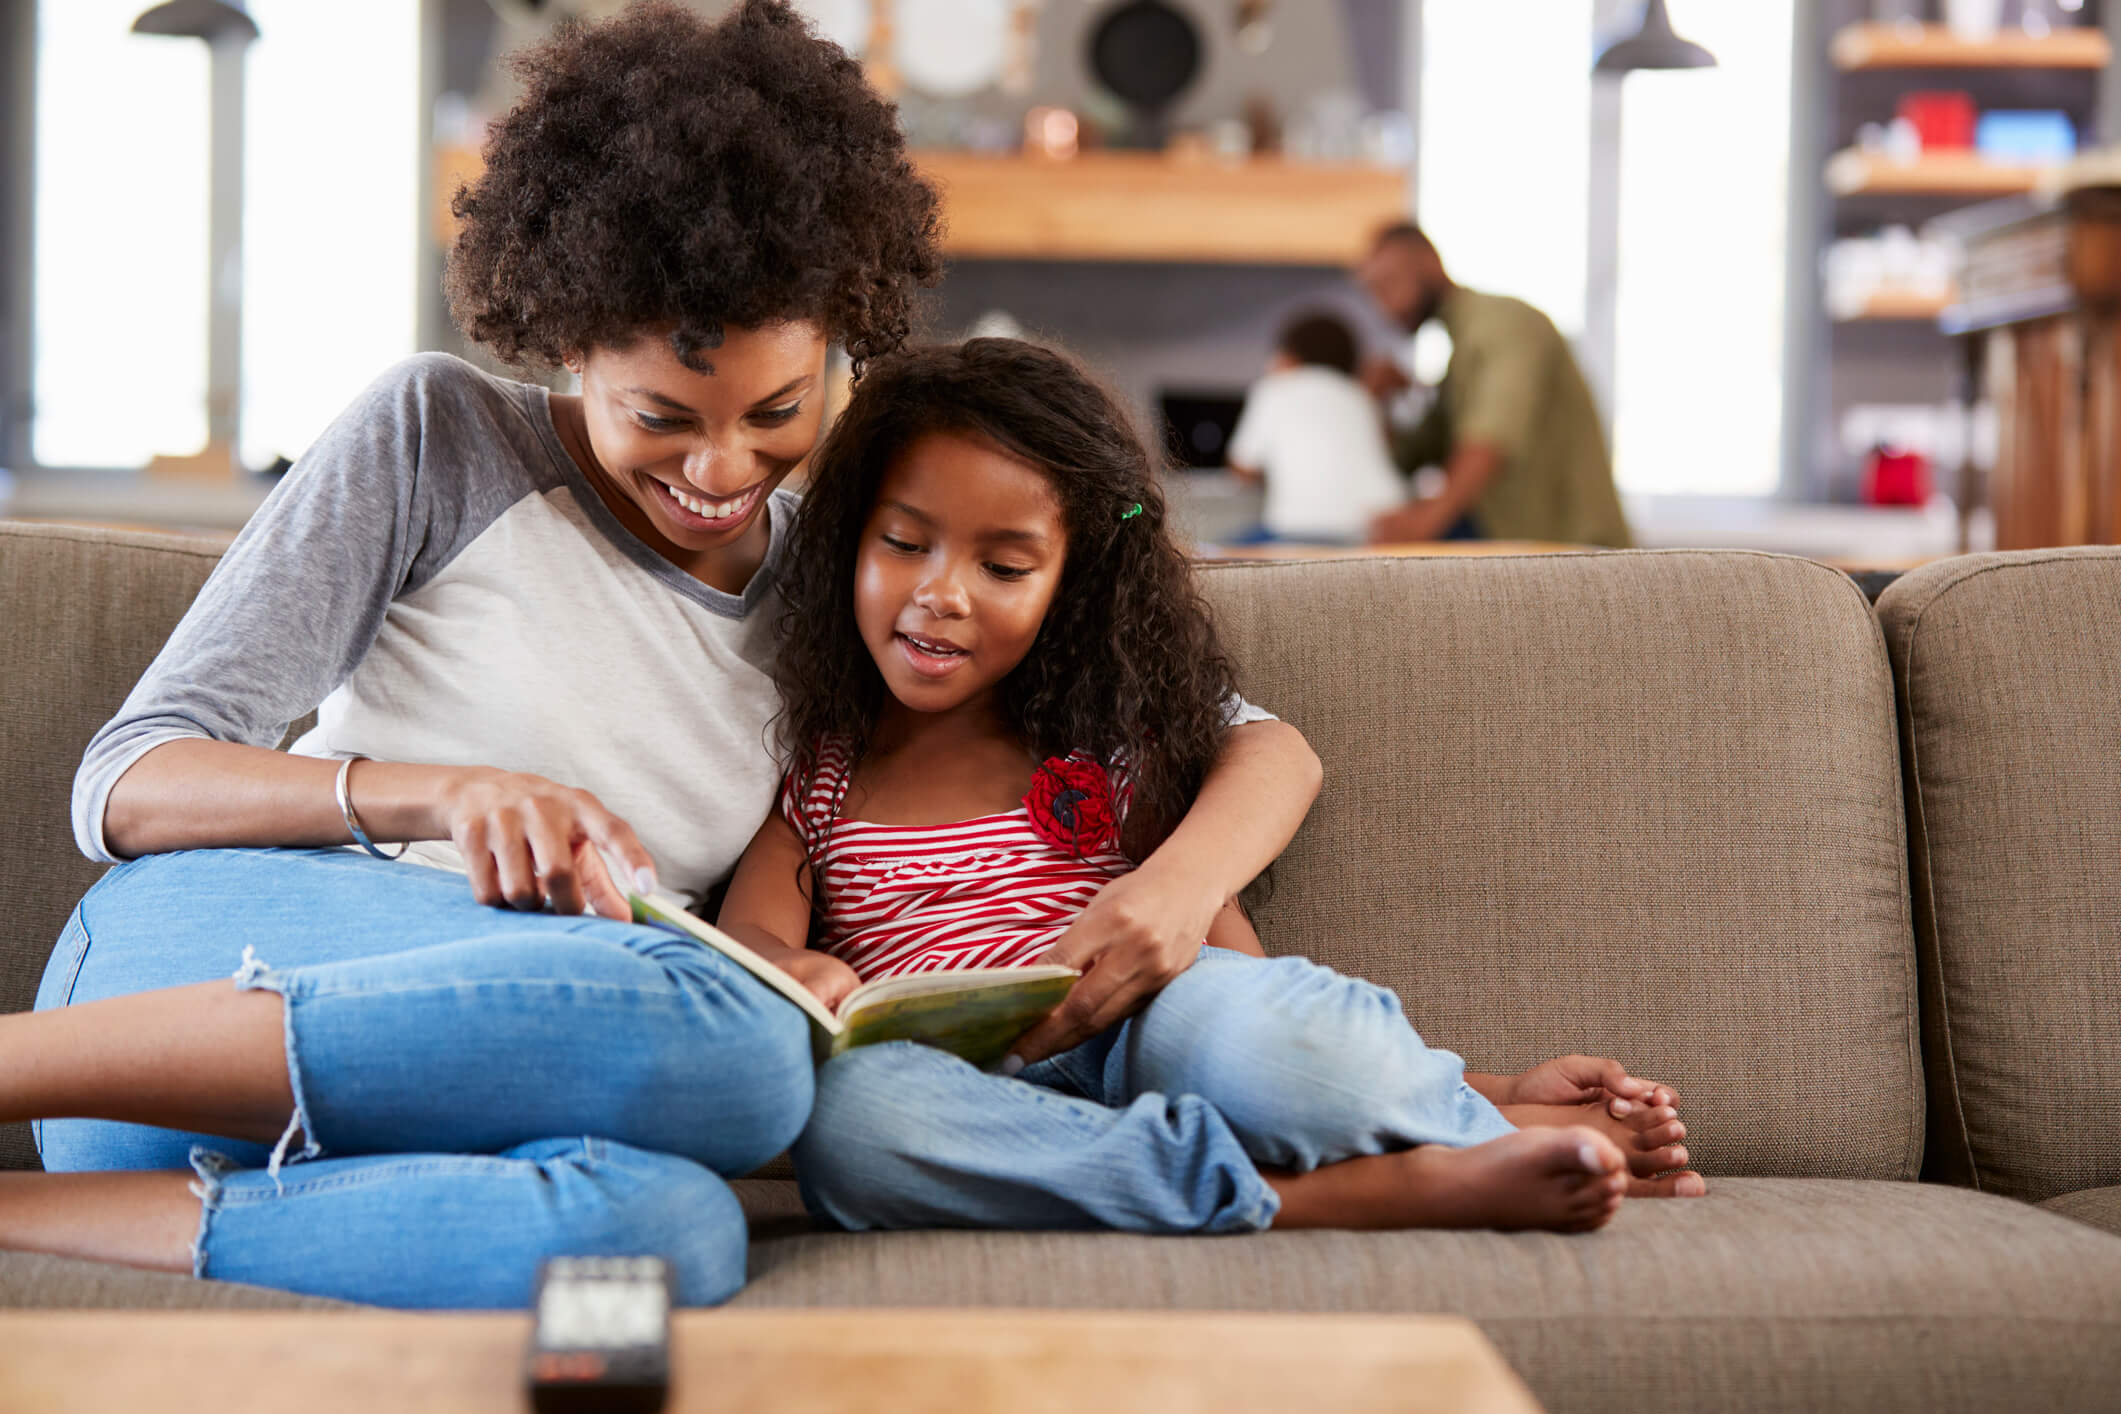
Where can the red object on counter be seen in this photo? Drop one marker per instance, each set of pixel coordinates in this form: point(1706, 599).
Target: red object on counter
point(1895, 477)
point(1942, 118)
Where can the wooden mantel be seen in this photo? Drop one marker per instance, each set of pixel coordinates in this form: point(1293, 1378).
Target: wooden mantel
point(1148, 207)
point(1129, 206)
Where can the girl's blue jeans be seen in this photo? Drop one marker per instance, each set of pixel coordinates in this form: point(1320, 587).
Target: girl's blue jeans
point(475, 1089)
point(1158, 1125)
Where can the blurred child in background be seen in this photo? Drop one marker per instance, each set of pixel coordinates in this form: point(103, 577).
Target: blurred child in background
point(1314, 436)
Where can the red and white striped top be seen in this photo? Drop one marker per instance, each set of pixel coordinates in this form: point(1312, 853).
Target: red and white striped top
point(986, 892)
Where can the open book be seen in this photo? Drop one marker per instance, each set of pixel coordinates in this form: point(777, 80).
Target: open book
point(975, 1012)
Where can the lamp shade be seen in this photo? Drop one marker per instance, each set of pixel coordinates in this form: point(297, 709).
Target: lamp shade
point(197, 19)
point(1654, 45)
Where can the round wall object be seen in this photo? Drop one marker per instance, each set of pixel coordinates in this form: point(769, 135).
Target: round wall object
point(950, 48)
point(844, 22)
point(1146, 52)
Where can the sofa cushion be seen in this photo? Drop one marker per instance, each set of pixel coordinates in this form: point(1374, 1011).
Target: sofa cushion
point(1641, 804)
point(1768, 1294)
point(32, 1279)
point(82, 614)
point(2009, 669)
point(2101, 1207)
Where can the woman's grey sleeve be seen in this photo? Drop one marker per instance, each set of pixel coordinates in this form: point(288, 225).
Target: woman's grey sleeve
point(292, 606)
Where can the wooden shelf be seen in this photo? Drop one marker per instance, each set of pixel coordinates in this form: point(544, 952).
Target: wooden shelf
point(1131, 206)
point(1898, 305)
point(1147, 207)
point(1853, 173)
point(1913, 46)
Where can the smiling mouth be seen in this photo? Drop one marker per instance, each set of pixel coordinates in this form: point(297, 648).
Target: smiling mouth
point(713, 509)
point(931, 657)
point(934, 647)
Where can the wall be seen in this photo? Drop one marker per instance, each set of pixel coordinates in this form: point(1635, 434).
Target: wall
point(1148, 327)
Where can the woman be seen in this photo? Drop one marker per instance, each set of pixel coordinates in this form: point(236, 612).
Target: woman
point(533, 627)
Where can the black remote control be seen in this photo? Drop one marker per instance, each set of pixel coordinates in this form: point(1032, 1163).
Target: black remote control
point(602, 1338)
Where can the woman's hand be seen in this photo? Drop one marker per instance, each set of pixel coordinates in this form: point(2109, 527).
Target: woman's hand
point(828, 979)
point(528, 843)
point(1141, 930)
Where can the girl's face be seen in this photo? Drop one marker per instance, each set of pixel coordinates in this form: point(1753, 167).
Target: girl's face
point(696, 452)
point(959, 561)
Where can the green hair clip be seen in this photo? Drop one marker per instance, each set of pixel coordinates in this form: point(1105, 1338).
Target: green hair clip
point(1132, 511)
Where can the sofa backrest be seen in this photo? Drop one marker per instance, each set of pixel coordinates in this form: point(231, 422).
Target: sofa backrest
point(2009, 670)
point(1641, 804)
point(82, 613)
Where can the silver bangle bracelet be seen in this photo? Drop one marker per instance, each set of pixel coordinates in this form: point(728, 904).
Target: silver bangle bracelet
point(353, 821)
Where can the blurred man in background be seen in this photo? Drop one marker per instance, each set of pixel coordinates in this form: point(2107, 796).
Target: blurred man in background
point(1512, 425)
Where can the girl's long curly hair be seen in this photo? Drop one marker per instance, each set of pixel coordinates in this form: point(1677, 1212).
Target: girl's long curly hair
point(1127, 661)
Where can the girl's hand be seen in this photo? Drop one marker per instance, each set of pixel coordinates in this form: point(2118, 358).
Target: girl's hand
point(528, 843)
point(1578, 1080)
point(828, 979)
point(1137, 934)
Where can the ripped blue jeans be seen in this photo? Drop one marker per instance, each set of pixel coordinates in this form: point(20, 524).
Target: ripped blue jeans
point(475, 1089)
point(1159, 1124)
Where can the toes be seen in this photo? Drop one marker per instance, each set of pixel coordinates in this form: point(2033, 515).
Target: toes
point(1593, 1215)
point(1658, 1136)
point(1594, 1153)
point(1670, 1185)
point(1648, 1119)
point(1653, 1161)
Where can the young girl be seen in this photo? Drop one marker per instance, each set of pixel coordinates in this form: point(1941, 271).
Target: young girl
point(1021, 702)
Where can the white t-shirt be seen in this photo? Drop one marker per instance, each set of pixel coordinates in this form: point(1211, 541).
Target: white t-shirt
point(1317, 437)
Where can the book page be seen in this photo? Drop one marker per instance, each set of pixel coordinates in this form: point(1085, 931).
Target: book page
point(978, 1021)
point(921, 984)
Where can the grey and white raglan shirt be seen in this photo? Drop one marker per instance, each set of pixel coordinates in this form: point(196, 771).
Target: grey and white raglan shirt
point(438, 579)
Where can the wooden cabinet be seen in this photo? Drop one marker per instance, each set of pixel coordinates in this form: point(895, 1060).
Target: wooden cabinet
point(2046, 345)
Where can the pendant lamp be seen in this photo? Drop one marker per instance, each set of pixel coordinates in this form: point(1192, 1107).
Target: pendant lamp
point(1653, 46)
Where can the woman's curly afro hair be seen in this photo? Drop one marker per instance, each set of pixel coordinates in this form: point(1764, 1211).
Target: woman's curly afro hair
point(662, 171)
point(1127, 660)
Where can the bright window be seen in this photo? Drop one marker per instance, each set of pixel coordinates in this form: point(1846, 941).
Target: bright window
point(120, 304)
point(1704, 178)
point(330, 226)
point(1504, 170)
point(1504, 189)
point(331, 220)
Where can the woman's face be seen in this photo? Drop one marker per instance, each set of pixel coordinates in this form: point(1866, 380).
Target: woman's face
point(959, 561)
point(697, 451)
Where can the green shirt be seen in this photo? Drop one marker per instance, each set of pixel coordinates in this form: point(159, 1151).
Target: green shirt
point(1513, 385)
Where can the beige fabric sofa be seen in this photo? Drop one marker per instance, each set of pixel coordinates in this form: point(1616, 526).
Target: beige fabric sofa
point(1647, 804)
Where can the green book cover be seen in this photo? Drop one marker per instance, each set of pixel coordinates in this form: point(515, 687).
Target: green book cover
point(977, 1013)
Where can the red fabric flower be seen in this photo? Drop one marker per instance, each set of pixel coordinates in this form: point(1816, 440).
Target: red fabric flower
point(1070, 804)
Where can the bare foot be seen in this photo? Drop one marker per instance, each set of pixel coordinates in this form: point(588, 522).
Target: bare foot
point(1650, 1136)
point(1562, 1180)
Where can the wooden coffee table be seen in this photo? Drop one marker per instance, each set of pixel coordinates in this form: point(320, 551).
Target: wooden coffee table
point(786, 1361)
